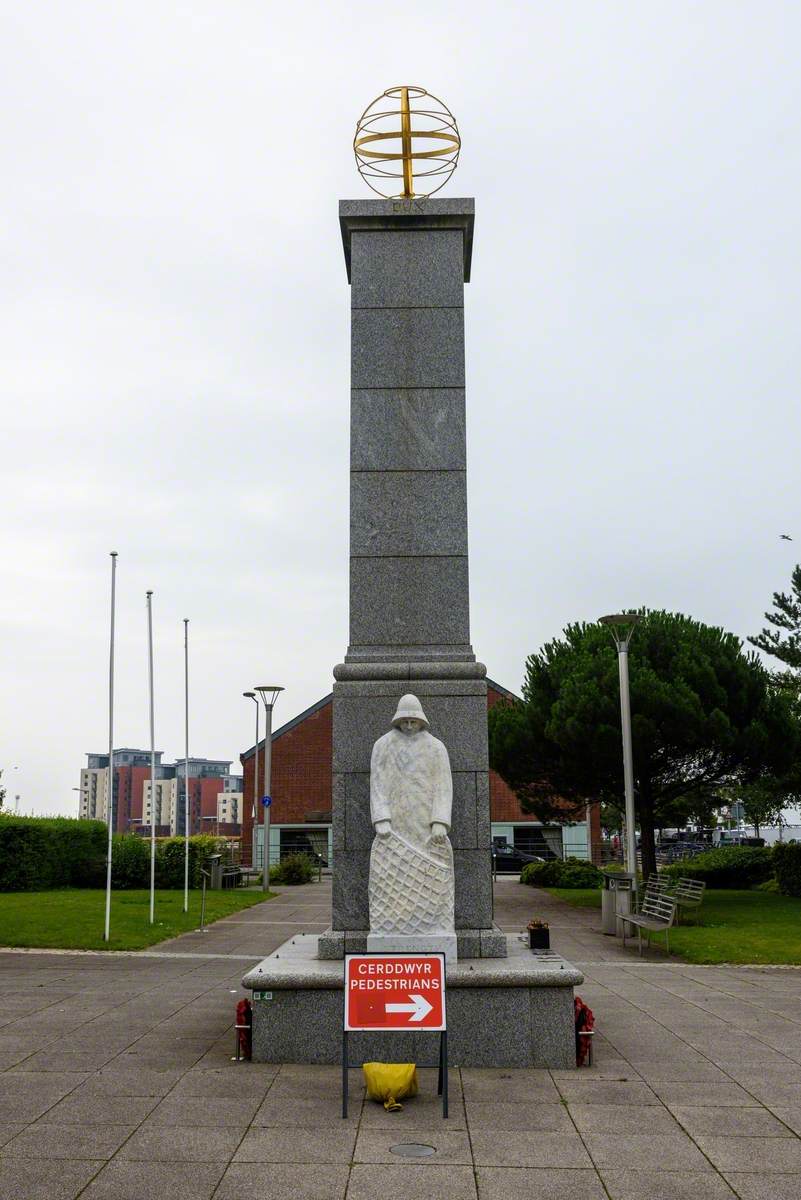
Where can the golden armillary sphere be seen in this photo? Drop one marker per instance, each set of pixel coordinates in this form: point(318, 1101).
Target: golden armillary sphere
point(406, 140)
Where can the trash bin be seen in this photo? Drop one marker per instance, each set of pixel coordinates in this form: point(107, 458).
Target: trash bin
point(215, 871)
point(615, 900)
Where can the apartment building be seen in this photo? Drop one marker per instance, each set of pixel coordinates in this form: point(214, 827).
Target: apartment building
point(215, 795)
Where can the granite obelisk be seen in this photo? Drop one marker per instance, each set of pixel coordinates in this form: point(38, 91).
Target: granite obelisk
point(409, 662)
point(407, 262)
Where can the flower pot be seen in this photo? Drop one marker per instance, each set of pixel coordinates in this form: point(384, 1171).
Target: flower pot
point(539, 939)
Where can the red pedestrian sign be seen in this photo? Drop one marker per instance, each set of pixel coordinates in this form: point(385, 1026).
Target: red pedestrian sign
point(395, 991)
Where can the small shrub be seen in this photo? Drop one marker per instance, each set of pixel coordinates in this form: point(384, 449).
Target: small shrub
point(787, 864)
point(295, 868)
point(567, 873)
point(727, 867)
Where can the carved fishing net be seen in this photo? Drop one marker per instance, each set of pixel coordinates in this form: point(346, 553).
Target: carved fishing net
point(410, 890)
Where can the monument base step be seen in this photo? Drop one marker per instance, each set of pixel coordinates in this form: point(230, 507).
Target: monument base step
point(395, 943)
point(470, 943)
point(511, 1012)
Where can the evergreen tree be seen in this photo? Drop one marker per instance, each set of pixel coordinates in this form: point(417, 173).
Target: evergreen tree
point(784, 640)
point(704, 716)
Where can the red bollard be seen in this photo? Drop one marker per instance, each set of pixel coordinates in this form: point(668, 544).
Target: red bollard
point(244, 1030)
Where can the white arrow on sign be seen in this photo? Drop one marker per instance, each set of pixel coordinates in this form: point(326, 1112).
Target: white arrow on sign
point(419, 1007)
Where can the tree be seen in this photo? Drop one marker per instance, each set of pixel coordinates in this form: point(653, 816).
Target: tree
point(2, 789)
point(703, 716)
point(763, 802)
point(786, 620)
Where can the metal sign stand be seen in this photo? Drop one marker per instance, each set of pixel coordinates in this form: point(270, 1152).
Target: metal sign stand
point(442, 1078)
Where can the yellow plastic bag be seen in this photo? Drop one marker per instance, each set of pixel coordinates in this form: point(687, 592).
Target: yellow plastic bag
point(390, 1082)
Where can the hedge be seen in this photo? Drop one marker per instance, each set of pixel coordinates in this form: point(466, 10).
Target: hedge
point(727, 867)
point(566, 873)
point(38, 853)
point(170, 860)
point(787, 865)
point(130, 860)
point(42, 853)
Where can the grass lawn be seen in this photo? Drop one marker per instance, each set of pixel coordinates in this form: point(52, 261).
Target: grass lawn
point(73, 919)
point(734, 926)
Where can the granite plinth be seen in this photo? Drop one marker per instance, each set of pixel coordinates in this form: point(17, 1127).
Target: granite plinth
point(509, 1012)
point(363, 709)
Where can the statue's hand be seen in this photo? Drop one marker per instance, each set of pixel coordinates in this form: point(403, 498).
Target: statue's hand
point(383, 828)
point(439, 832)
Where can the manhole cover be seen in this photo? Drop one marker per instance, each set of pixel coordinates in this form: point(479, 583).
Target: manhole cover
point(413, 1150)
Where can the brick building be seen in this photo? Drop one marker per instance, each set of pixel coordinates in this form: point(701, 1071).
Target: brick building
point(300, 815)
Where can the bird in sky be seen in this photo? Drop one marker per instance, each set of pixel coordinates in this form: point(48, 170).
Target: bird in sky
point(785, 537)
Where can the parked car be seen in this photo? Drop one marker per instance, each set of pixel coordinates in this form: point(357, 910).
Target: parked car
point(508, 860)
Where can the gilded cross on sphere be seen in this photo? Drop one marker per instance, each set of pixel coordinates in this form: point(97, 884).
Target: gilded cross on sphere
point(409, 137)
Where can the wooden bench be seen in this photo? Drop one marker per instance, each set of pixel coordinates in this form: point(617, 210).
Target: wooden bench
point(688, 893)
point(657, 915)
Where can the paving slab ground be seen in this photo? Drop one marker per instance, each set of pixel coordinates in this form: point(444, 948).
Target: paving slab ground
point(116, 1082)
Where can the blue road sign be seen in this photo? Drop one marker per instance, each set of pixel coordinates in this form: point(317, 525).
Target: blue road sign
point(266, 801)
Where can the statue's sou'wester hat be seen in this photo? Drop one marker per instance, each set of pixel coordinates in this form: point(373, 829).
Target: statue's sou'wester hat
point(409, 708)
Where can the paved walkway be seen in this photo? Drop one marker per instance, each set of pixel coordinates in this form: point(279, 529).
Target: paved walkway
point(116, 1083)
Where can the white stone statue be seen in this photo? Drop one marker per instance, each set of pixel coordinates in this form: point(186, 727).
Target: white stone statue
point(411, 862)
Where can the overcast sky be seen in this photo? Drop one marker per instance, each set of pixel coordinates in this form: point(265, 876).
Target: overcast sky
point(174, 323)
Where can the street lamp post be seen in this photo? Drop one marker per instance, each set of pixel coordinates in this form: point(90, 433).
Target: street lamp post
point(269, 694)
point(152, 761)
point(254, 827)
point(622, 626)
point(110, 814)
point(186, 765)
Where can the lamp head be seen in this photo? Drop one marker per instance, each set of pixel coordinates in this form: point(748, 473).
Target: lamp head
point(249, 695)
point(621, 626)
point(628, 618)
point(269, 693)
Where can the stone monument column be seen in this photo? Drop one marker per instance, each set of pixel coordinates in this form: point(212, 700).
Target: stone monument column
point(407, 262)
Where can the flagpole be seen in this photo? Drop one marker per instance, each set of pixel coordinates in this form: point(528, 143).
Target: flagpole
point(152, 763)
point(186, 764)
point(110, 790)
